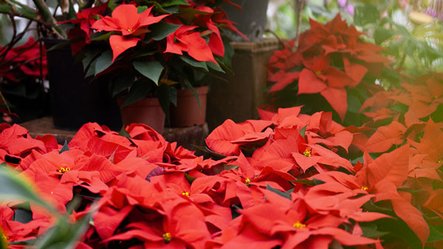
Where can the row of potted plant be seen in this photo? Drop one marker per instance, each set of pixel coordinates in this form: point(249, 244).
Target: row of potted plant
point(139, 50)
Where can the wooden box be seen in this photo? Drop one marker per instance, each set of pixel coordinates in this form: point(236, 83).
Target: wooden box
point(237, 95)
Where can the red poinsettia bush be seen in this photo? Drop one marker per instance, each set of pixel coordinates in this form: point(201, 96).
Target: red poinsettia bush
point(139, 46)
point(285, 181)
point(328, 67)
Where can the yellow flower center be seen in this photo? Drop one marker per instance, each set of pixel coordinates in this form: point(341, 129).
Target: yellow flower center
point(185, 193)
point(318, 72)
point(63, 170)
point(298, 225)
point(364, 188)
point(307, 152)
point(247, 181)
point(129, 29)
point(440, 161)
point(167, 237)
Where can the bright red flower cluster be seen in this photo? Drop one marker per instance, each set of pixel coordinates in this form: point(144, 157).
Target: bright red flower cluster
point(197, 29)
point(327, 60)
point(284, 181)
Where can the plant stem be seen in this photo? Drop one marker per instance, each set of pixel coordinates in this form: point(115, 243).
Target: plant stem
point(49, 19)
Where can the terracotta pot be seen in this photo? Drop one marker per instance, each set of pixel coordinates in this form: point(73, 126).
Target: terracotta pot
point(191, 107)
point(147, 111)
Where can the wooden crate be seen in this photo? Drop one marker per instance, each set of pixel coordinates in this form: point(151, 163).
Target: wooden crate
point(237, 95)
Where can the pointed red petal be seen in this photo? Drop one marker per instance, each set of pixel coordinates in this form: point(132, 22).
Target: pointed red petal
point(215, 40)
point(197, 47)
point(284, 80)
point(147, 19)
point(220, 138)
point(338, 99)
point(308, 82)
point(355, 71)
point(392, 167)
point(106, 24)
point(108, 219)
point(404, 209)
point(385, 137)
point(120, 44)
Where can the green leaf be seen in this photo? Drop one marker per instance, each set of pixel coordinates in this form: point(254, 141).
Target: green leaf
point(366, 14)
point(138, 91)
point(124, 133)
point(207, 152)
point(215, 67)
point(5, 8)
point(194, 63)
point(399, 107)
point(286, 194)
point(88, 63)
point(64, 234)
point(161, 30)
point(140, 9)
point(353, 104)
point(382, 34)
point(370, 230)
point(303, 131)
point(437, 116)
point(166, 96)
point(171, 6)
point(174, 3)
point(112, 4)
point(121, 84)
point(16, 187)
point(103, 62)
point(150, 69)
point(101, 36)
point(436, 233)
point(307, 182)
point(398, 232)
point(189, 178)
point(65, 147)
point(23, 215)
point(3, 241)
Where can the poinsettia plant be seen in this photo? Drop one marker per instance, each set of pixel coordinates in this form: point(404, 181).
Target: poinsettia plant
point(322, 66)
point(144, 48)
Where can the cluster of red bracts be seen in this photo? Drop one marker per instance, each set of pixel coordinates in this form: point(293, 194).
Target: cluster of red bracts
point(282, 181)
point(327, 60)
point(198, 35)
